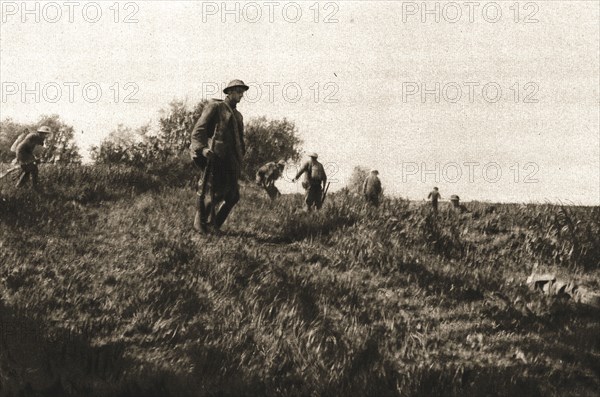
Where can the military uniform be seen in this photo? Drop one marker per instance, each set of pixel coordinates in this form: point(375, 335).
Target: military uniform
point(455, 200)
point(314, 182)
point(26, 158)
point(434, 195)
point(224, 124)
point(372, 189)
point(267, 175)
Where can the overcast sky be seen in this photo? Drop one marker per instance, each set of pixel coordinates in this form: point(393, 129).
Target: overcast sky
point(510, 113)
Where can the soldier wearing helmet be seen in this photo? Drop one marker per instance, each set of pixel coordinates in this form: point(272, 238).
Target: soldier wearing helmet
point(267, 175)
point(456, 205)
point(25, 157)
point(372, 188)
point(315, 180)
point(223, 124)
point(435, 196)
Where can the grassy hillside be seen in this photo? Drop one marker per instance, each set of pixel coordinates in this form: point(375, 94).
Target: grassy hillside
point(106, 290)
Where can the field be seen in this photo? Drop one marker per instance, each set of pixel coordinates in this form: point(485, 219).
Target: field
point(106, 290)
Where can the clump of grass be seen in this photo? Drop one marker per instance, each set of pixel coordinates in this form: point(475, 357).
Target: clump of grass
point(562, 236)
point(443, 238)
point(298, 225)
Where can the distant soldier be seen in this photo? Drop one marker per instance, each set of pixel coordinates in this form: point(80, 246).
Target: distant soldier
point(372, 188)
point(267, 175)
point(314, 182)
point(434, 195)
point(456, 205)
point(25, 157)
point(224, 125)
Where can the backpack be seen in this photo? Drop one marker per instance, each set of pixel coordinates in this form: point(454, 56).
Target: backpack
point(18, 141)
point(317, 173)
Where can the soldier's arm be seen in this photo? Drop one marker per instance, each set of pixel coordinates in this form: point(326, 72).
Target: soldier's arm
point(429, 196)
point(364, 187)
point(204, 129)
point(301, 171)
point(324, 176)
point(261, 172)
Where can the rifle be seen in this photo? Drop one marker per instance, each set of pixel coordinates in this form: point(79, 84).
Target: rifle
point(9, 171)
point(208, 173)
point(325, 192)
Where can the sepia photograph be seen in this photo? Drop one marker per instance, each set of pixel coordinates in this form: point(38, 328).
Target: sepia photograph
point(299, 198)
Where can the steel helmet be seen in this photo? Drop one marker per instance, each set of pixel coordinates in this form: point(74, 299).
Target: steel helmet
point(281, 163)
point(374, 171)
point(235, 83)
point(44, 129)
point(313, 154)
point(454, 197)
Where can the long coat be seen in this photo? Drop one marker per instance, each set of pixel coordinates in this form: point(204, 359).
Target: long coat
point(218, 121)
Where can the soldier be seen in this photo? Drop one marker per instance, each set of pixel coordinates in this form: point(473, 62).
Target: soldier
point(372, 188)
point(314, 182)
point(25, 157)
point(267, 175)
point(456, 205)
point(224, 125)
point(434, 195)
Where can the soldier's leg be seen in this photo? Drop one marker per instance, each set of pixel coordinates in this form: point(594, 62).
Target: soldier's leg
point(220, 186)
point(273, 192)
point(202, 209)
point(376, 201)
point(24, 175)
point(318, 196)
point(23, 178)
point(34, 176)
point(231, 199)
point(228, 191)
point(308, 199)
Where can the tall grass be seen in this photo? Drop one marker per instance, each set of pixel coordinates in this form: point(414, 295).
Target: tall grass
point(112, 293)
